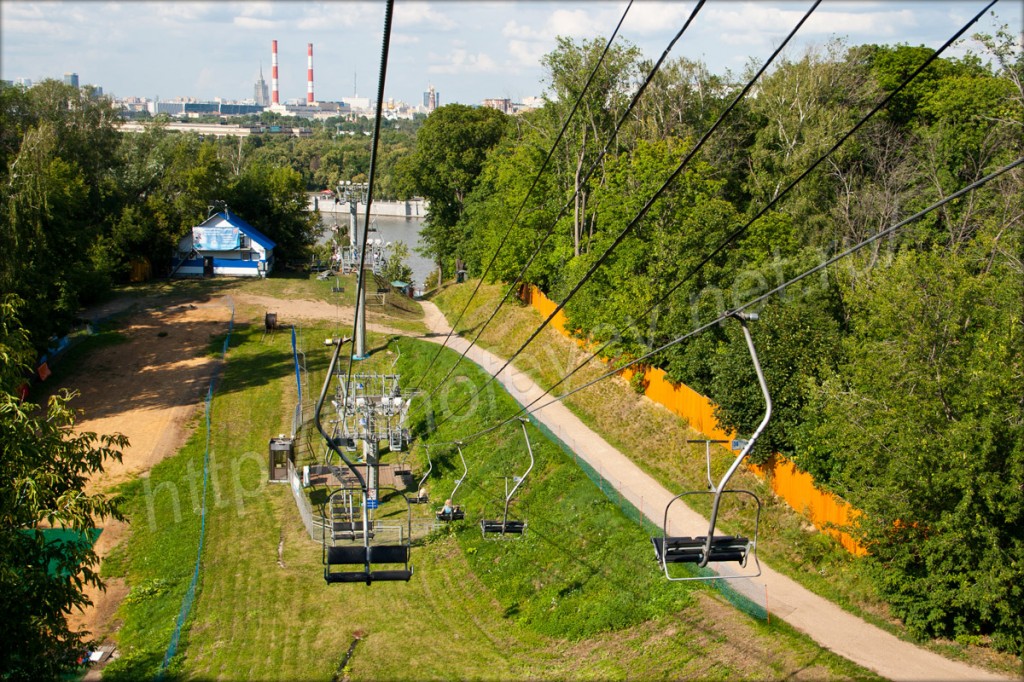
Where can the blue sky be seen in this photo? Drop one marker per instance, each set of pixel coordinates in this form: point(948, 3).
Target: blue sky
point(468, 50)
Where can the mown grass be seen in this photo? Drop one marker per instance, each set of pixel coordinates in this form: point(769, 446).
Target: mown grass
point(578, 597)
point(655, 439)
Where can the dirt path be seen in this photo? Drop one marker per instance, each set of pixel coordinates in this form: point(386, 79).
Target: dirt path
point(830, 626)
point(305, 309)
point(148, 388)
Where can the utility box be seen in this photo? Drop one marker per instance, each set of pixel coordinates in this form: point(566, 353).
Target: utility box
point(282, 450)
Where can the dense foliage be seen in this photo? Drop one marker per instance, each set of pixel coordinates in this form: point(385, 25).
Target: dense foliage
point(82, 202)
point(897, 374)
point(46, 468)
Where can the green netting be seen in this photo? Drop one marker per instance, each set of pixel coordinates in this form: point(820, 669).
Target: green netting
point(722, 586)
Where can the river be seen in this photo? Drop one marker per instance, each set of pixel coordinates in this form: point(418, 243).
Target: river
point(390, 229)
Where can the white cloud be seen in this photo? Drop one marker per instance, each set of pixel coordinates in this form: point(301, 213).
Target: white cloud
point(408, 15)
point(404, 39)
point(254, 23)
point(526, 52)
point(760, 24)
point(575, 23)
point(462, 62)
point(653, 17)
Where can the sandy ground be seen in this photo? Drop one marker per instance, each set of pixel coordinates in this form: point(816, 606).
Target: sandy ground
point(147, 388)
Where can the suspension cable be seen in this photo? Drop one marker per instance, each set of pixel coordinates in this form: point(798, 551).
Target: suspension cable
point(643, 211)
point(740, 231)
point(554, 222)
point(361, 280)
point(515, 221)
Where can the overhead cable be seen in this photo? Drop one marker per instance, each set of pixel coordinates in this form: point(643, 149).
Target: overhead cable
point(579, 186)
point(741, 230)
point(646, 208)
point(361, 283)
point(515, 221)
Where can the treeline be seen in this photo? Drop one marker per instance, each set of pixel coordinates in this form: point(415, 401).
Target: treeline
point(897, 374)
point(82, 201)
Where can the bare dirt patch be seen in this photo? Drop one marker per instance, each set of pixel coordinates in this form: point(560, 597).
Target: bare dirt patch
point(148, 388)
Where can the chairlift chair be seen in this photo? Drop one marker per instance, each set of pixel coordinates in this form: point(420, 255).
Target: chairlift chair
point(505, 526)
point(456, 513)
point(362, 560)
point(703, 550)
point(358, 548)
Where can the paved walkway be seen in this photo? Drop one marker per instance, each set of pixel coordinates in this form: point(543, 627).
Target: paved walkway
point(830, 626)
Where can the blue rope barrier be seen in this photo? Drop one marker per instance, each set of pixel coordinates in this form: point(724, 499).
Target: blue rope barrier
point(190, 594)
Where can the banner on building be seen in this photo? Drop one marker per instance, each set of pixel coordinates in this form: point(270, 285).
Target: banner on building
point(215, 238)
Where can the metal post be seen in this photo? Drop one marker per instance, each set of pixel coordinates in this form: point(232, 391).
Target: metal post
point(370, 455)
point(359, 343)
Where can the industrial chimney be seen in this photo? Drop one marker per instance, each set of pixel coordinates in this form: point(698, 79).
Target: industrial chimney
point(273, 72)
point(309, 74)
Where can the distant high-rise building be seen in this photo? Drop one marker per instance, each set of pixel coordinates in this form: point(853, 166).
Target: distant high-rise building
point(261, 93)
point(23, 82)
point(71, 79)
point(431, 99)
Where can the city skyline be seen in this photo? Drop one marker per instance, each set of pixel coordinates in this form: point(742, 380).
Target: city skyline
point(469, 51)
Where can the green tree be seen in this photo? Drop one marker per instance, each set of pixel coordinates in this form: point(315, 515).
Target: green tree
point(42, 485)
point(273, 200)
point(451, 147)
point(923, 423)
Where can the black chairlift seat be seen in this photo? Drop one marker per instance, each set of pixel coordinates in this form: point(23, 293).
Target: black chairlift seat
point(502, 527)
point(367, 558)
point(686, 550)
point(349, 530)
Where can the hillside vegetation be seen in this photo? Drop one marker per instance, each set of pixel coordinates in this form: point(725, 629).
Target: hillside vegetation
point(897, 373)
point(579, 596)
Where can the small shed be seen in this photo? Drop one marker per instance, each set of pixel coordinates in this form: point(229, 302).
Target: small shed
point(224, 244)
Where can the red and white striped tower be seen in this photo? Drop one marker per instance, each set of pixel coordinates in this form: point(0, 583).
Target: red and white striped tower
point(273, 72)
point(309, 73)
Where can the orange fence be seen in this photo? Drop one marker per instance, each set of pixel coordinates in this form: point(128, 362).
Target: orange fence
point(824, 509)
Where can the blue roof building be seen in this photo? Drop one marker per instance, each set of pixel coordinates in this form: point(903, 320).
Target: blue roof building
point(224, 244)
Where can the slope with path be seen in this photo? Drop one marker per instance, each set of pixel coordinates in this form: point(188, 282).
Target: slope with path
point(826, 623)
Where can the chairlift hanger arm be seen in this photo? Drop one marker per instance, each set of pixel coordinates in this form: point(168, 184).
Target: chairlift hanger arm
point(529, 448)
point(465, 471)
point(742, 318)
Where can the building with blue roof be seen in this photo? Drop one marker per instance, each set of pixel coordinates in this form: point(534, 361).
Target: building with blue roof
point(224, 244)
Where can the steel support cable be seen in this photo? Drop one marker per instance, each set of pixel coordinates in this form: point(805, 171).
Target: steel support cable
point(568, 204)
point(741, 230)
point(361, 283)
point(754, 301)
point(643, 211)
point(515, 221)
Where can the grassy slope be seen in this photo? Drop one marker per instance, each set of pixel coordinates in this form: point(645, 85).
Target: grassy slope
point(627, 421)
point(578, 597)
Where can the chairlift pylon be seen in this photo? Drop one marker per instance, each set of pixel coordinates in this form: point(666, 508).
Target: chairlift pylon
point(504, 526)
point(711, 548)
point(352, 545)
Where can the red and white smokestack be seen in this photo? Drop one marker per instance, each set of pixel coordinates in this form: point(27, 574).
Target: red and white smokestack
point(309, 73)
point(273, 72)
